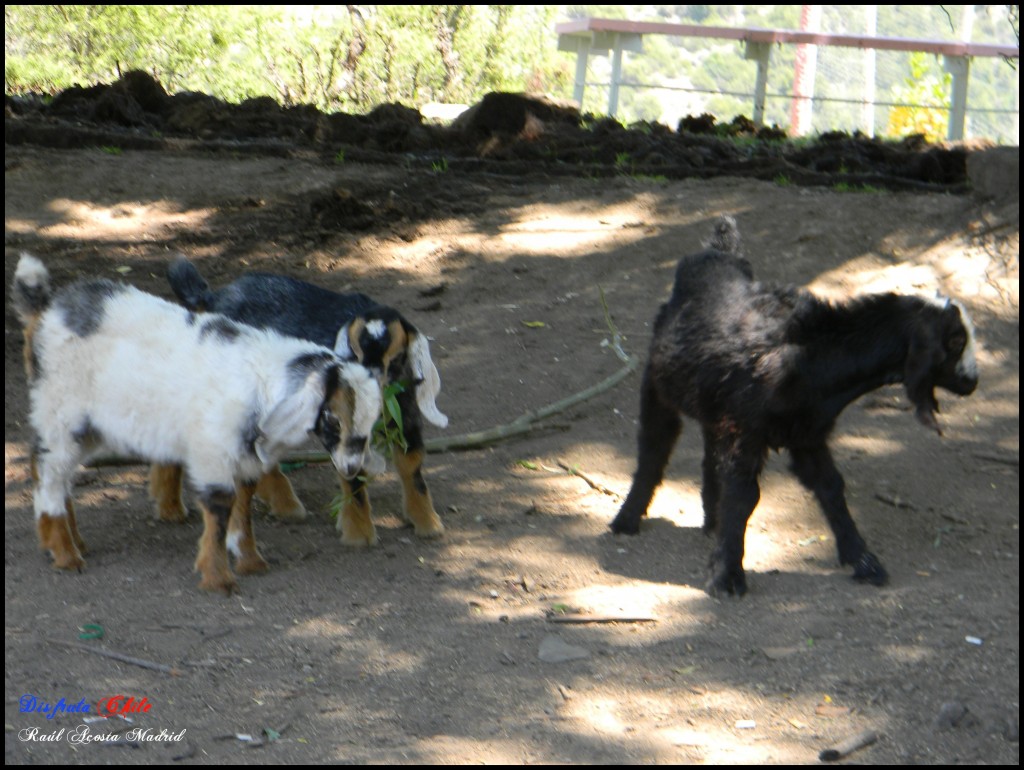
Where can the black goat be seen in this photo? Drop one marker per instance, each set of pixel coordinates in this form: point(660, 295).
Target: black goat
point(358, 329)
point(764, 368)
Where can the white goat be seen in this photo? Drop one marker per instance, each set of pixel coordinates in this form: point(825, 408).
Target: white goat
point(113, 368)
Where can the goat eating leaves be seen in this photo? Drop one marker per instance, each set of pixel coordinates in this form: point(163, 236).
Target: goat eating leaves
point(764, 368)
point(359, 330)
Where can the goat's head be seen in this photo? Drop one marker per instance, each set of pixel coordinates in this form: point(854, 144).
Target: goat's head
point(337, 401)
point(347, 416)
point(391, 347)
point(941, 354)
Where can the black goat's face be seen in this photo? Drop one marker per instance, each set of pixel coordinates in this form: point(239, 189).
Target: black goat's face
point(941, 354)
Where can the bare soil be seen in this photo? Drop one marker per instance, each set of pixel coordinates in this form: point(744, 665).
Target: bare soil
point(429, 652)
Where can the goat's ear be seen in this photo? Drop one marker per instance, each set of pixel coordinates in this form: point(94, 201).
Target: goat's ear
point(287, 423)
point(428, 381)
point(924, 355)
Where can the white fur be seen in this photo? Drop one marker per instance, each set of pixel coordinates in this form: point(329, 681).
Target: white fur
point(427, 390)
point(342, 348)
point(31, 271)
point(968, 364)
point(147, 383)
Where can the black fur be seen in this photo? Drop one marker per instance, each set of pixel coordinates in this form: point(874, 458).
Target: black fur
point(221, 328)
point(267, 301)
point(82, 304)
point(765, 368)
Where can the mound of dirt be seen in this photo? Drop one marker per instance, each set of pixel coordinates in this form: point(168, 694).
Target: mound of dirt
point(504, 131)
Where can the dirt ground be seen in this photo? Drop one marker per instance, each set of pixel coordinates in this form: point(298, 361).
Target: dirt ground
point(437, 651)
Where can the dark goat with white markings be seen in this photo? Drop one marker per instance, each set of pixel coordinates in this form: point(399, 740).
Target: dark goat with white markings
point(358, 329)
point(765, 368)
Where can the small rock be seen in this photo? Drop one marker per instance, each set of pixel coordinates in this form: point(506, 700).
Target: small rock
point(554, 650)
point(950, 715)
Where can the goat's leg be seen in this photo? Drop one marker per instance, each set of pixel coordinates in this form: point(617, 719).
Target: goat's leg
point(212, 560)
point(660, 426)
point(241, 541)
point(817, 471)
point(418, 505)
point(738, 469)
point(354, 521)
point(54, 510)
point(69, 508)
point(276, 491)
point(711, 488)
point(165, 491)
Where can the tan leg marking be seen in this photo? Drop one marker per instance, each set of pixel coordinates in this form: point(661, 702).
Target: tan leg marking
point(276, 491)
point(240, 534)
point(419, 507)
point(212, 561)
point(165, 490)
point(55, 536)
point(354, 521)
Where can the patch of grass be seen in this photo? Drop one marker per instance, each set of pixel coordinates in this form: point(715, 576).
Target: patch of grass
point(111, 150)
point(440, 166)
point(782, 180)
point(339, 158)
point(855, 188)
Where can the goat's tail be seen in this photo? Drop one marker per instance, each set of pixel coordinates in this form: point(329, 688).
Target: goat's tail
point(188, 285)
point(31, 295)
point(726, 236)
point(30, 292)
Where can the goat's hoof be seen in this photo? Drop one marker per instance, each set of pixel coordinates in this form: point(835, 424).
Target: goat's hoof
point(69, 561)
point(625, 524)
point(291, 514)
point(172, 514)
point(726, 582)
point(870, 570)
point(253, 564)
point(360, 541)
point(219, 584)
point(430, 531)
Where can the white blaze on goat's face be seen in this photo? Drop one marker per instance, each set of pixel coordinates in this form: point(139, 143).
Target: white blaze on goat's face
point(968, 364)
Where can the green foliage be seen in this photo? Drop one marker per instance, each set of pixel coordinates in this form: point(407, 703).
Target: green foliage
point(855, 188)
point(388, 432)
point(927, 93)
point(349, 58)
point(352, 58)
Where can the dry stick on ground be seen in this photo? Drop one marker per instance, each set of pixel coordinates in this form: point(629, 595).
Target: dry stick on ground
point(119, 656)
point(573, 471)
